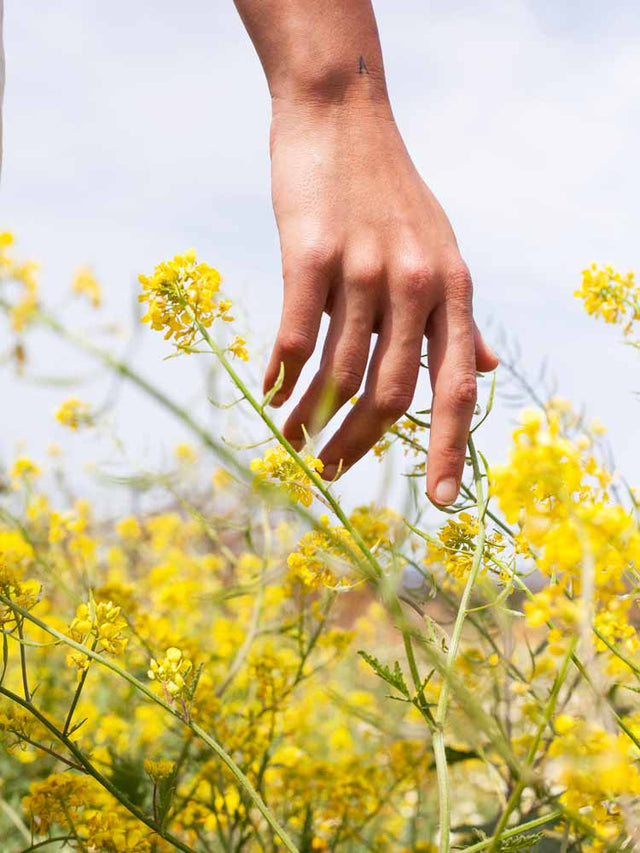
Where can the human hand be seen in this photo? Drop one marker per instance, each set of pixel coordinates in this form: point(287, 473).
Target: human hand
point(364, 239)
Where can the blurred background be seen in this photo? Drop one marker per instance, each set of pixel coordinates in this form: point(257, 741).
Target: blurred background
point(134, 131)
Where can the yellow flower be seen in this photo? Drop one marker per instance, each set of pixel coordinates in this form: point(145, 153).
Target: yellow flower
point(159, 770)
point(24, 469)
point(100, 626)
point(238, 348)
point(85, 284)
point(185, 454)
point(278, 465)
point(173, 672)
point(75, 414)
point(128, 529)
point(610, 295)
point(181, 297)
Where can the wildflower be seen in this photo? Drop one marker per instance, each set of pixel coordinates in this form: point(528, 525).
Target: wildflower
point(159, 770)
point(610, 295)
point(24, 274)
point(238, 348)
point(277, 464)
point(221, 479)
point(593, 767)
point(185, 454)
point(457, 546)
point(101, 625)
point(24, 593)
point(55, 800)
point(75, 414)
point(19, 723)
point(181, 297)
point(173, 672)
point(85, 284)
point(128, 529)
point(24, 469)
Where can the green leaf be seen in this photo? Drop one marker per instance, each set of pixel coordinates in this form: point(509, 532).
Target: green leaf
point(523, 842)
point(394, 677)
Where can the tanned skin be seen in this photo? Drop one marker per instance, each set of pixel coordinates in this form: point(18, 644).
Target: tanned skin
point(363, 239)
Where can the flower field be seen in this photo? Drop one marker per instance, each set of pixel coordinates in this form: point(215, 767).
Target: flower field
point(247, 667)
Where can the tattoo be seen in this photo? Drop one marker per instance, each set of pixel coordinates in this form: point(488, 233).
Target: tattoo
point(362, 66)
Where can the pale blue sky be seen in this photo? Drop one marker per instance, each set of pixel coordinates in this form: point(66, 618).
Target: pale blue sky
point(133, 131)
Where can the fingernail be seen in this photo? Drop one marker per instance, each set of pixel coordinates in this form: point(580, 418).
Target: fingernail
point(278, 399)
point(446, 491)
point(329, 472)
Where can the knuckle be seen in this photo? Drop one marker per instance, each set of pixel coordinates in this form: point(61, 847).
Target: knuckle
point(346, 382)
point(392, 402)
point(295, 346)
point(416, 276)
point(458, 282)
point(463, 393)
point(451, 457)
point(315, 254)
point(366, 274)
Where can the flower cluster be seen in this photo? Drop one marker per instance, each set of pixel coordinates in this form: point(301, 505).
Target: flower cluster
point(25, 275)
point(74, 413)
point(278, 465)
point(456, 547)
point(182, 297)
point(610, 295)
point(174, 672)
point(85, 284)
point(100, 625)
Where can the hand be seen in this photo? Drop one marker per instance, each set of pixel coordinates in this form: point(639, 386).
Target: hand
point(364, 239)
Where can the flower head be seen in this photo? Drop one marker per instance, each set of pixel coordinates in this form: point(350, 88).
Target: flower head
point(74, 413)
point(278, 465)
point(86, 284)
point(182, 295)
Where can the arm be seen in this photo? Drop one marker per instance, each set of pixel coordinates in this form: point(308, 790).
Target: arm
point(362, 238)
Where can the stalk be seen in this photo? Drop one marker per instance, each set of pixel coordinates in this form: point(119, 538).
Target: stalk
point(442, 770)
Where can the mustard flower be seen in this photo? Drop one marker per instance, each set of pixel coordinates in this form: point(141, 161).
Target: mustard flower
point(180, 295)
point(174, 672)
point(74, 413)
point(100, 625)
point(278, 465)
point(85, 284)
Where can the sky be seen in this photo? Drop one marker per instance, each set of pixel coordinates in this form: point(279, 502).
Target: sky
point(134, 131)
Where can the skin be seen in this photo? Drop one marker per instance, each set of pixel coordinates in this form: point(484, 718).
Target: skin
point(364, 240)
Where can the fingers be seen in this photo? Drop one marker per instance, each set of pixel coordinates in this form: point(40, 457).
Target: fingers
point(306, 290)
point(452, 366)
point(486, 359)
point(388, 393)
point(344, 360)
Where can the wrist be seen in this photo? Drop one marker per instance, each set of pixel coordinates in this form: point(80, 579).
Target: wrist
point(355, 83)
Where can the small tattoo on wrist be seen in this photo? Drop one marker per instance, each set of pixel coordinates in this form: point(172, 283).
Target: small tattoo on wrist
point(362, 66)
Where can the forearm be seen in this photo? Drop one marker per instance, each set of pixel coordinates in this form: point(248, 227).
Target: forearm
point(324, 51)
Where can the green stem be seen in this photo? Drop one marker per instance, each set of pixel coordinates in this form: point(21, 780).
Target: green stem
point(516, 830)
point(442, 770)
point(40, 844)
point(76, 696)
